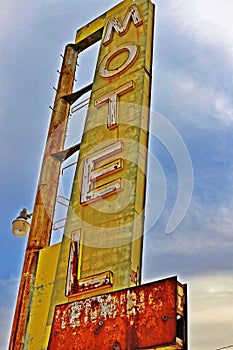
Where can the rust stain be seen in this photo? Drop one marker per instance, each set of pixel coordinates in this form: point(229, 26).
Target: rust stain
point(41, 226)
point(133, 318)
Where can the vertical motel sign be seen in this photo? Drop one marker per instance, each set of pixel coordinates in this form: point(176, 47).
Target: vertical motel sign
point(92, 297)
point(108, 197)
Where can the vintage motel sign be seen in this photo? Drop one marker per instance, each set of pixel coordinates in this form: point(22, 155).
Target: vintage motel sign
point(107, 202)
point(101, 250)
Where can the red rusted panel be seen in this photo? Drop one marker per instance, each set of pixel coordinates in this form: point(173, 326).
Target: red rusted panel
point(133, 318)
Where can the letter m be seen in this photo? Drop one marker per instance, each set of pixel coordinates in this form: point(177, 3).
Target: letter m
point(121, 29)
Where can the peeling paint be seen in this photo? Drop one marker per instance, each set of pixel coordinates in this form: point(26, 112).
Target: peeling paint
point(138, 317)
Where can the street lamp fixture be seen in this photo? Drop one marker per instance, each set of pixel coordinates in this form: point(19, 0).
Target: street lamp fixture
point(20, 226)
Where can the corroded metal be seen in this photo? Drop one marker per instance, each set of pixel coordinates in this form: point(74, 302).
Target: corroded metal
point(134, 318)
point(40, 233)
point(98, 238)
point(63, 155)
point(71, 98)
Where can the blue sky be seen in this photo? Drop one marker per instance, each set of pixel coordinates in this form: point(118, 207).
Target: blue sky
point(192, 89)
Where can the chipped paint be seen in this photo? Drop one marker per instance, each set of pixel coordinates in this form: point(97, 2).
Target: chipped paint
point(137, 317)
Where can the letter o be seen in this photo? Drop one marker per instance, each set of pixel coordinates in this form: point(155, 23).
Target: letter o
point(132, 49)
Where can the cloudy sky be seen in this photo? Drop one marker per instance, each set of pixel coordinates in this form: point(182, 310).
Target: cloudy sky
point(192, 89)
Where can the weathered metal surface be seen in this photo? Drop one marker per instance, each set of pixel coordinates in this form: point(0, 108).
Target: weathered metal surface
point(111, 228)
point(41, 225)
point(43, 287)
point(135, 318)
point(101, 280)
point(63, 155)
point(71, 98)
point(108, 193)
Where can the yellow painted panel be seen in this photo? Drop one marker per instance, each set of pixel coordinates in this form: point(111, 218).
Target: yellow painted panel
point(37, 332)
point(112, 228)
point(91, 28)
point(99, 23)
point(103, 220)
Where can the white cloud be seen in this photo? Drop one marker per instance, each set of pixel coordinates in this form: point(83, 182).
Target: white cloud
point(195, 101)
point(210, 310)
point(205, 234)
point(224, 109)
point(216, 13)
point(214, 218)
point(208, 21)
point(194, 61)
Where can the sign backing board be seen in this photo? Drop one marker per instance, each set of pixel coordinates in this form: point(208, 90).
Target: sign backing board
point(142, 317)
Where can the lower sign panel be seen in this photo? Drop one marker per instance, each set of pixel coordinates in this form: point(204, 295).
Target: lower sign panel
point(143, 317)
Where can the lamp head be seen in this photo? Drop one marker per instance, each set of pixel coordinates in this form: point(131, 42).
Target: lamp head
point(20, 226)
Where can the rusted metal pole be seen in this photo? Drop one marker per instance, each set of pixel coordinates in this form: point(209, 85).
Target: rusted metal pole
point(41, 226)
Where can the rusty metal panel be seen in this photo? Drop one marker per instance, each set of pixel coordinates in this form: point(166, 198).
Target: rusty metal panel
point(134, 318)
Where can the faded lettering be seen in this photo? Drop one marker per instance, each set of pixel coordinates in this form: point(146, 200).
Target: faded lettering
point(122, 28)
point(112, 98)
point(91, 172)
point(129, 47)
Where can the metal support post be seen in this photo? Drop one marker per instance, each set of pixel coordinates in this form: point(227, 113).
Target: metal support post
point(41, 226)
